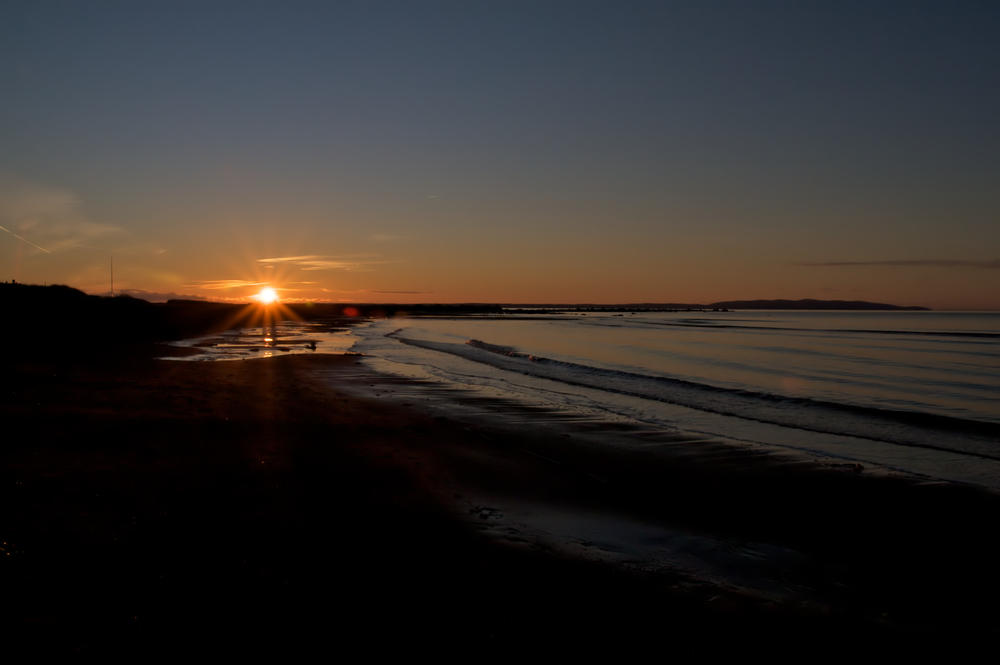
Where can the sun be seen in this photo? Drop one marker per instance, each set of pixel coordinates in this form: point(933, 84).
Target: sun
point(267, 295)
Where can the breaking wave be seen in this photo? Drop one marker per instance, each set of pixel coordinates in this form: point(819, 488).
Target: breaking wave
point(907, 428)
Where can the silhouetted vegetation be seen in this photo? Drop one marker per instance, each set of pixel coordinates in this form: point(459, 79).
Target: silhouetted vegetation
point(64, 316)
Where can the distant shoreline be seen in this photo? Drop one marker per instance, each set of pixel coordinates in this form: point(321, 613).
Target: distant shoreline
point(806, 304)
point(15, 289)
point(60, 313)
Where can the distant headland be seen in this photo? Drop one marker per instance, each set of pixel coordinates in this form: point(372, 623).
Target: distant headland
point(730, 304)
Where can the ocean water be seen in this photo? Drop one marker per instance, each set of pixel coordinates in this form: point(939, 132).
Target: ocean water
point(912, 392)
point(907, 392)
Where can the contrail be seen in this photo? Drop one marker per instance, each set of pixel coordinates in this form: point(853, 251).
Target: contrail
point(23, 240)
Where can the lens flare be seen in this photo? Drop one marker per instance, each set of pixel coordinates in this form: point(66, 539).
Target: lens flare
point(267, 295)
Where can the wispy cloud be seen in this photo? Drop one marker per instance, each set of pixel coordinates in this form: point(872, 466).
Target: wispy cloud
point(322, 262)
point(933, 263)
point(422, 293)
point(47, 218)
point(293, 299)
point(223, 284)
point(237, 300)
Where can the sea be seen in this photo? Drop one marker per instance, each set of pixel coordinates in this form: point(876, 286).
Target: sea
point(906, 392)
point(912, 396)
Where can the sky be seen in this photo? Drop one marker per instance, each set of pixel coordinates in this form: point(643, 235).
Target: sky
point(513, 152)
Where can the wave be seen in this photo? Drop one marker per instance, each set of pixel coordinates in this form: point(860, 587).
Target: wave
point(907, 428)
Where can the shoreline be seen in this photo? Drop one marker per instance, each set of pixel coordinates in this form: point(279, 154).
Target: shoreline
point(787, 510)
point(154, 500)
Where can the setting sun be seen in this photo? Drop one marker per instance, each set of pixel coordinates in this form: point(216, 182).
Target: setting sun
point(267, 295)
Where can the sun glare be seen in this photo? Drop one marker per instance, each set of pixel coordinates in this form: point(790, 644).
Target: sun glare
point(267, 295)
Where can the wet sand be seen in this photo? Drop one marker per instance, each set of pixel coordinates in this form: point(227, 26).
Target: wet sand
point(284, 504)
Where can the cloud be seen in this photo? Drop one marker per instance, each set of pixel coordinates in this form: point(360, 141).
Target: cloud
point(323, 262)
point(933, 263)
point(239, 300)
point(47, 218)
point(292, 299)
point(223, 284)
point(419, 293)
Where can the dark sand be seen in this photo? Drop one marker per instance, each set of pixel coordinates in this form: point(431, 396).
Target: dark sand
point(152, 506)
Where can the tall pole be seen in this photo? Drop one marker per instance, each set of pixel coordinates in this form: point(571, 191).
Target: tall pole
point(112, 277)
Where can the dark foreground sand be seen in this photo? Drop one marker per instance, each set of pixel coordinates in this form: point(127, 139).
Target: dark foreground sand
point(150, 506)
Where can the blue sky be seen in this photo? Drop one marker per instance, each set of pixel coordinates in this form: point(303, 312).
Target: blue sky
point(505, 151)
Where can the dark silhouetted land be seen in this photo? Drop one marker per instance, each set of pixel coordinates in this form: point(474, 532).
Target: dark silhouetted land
point(859, 305)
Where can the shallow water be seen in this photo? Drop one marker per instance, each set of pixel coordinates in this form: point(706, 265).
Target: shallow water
point(932, 362)
point(573, 398)
point(912, 392)
point(904, 391)
point(287, 337)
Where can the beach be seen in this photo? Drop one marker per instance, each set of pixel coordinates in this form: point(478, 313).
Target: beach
point(543, 331)
point(284, 503)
